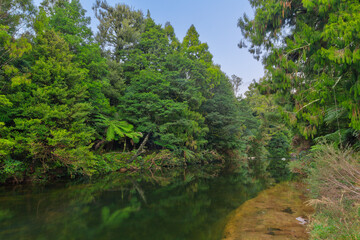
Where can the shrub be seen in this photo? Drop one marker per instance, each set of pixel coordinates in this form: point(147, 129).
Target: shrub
point(334, 180)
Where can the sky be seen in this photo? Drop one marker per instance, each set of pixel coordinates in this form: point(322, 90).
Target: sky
point(215, 21)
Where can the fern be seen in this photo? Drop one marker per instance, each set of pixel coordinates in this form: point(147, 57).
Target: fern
point(116, 128)
point(333, 114)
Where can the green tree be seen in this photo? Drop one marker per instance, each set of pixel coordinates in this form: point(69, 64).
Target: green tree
point(167, 110)
point(50, 114)
point(222, 116)
point(13, 72)
point(68, 17)
point(279, 149)
point(313, 58)
point(193, 47)
point(119, 28)
point(15, 15)
point(170, 32)
point(268, 137)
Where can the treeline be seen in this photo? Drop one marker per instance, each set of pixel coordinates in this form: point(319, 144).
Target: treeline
point(67, 96)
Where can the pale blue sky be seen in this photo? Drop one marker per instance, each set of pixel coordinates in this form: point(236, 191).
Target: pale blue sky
point(215, 21)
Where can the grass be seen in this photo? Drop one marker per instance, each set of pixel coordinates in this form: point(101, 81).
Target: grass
point(333, 176)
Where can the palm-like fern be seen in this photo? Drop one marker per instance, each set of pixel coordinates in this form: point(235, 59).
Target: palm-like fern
point(116, 129)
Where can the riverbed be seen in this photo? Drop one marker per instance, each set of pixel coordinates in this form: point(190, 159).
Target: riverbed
point(277, 213)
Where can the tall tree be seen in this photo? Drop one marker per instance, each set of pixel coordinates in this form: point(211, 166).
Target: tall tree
point(170, 32)
point(13, 72)
point(16, 15)
point(222, 116)
point(119, 28)
point(194, 48)
point(167, 110)
point(49, 114)
point(236, 83)
point(68, 17)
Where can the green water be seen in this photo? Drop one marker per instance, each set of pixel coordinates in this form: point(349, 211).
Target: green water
point(176, 204)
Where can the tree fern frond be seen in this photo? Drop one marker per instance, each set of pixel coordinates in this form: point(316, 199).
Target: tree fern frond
point(119, 131)
point(125, 126)
point(334, 113)
point(110, 133)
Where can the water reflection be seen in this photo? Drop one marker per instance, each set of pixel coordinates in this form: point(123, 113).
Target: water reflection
point(165, 204)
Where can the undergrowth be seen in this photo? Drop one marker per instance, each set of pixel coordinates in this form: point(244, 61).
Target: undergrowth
point(333, 176)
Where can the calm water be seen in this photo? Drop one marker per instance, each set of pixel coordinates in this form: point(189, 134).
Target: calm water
point(175, 204)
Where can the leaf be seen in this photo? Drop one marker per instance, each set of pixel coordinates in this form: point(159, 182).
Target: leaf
point(119, 131)
point(18, 80)
point(4, 101)
point(110, 133)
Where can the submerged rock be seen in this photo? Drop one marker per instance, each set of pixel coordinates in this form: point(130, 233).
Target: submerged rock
point(288, 210)
point(302, 221)
point(273, 214)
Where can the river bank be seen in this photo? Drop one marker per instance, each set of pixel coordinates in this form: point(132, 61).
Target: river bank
point(110, 162)
point(279, 212)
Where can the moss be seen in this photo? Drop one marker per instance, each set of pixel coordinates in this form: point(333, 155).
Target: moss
point(273, 212)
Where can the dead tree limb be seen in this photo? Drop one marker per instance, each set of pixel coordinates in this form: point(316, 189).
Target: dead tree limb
point(140, 149)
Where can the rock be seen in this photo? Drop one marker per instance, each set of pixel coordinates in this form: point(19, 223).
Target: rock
point(122, 170)
point(288, 210)
point(302, 221)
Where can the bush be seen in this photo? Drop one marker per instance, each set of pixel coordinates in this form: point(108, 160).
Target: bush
point(334, 180)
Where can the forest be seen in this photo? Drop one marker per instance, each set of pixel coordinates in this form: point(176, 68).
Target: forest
point(76, 104)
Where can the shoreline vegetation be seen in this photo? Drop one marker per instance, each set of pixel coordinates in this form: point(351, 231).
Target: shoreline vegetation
point(310, 50)
point(333, 178)
point(123, 162)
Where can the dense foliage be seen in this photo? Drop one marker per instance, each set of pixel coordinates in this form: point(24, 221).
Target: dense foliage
point(68, 97)
point(311, 52)
point(310, 49)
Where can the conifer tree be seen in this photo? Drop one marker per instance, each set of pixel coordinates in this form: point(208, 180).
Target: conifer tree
point(119, 28)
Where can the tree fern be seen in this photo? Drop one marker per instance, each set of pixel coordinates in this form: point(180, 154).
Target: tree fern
point(116, 129)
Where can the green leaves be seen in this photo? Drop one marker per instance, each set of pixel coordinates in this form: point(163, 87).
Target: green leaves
point(120, 27)
point(5, 147)
point(116, 128)
point(64, 94)
point(4, 101)
point(114, 219)
point(312, 57)
point(193, 48)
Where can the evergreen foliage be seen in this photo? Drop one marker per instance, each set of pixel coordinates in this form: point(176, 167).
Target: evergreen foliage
point(312, 50)
point(68, 97)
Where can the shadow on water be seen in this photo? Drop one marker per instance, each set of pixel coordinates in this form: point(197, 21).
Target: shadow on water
point(179, 204)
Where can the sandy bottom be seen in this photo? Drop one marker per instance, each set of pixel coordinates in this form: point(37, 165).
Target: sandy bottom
point(271, 215)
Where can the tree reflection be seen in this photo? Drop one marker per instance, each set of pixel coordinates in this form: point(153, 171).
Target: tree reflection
point(179, 203)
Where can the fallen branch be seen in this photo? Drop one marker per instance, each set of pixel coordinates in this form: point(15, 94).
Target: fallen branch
point(140, 149)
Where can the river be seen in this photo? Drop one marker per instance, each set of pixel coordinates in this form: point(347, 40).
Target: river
point(192, 203)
